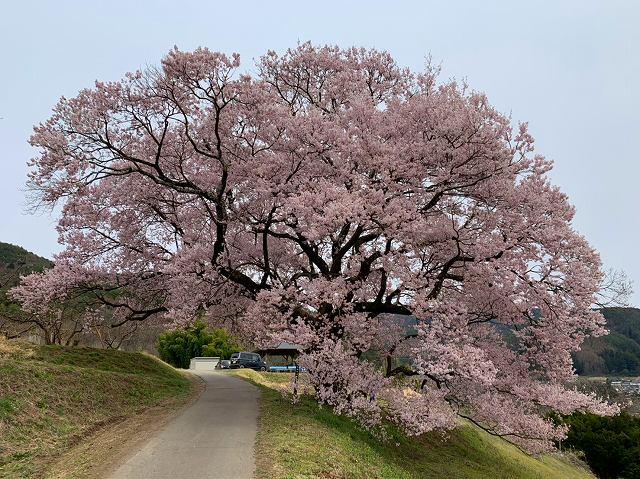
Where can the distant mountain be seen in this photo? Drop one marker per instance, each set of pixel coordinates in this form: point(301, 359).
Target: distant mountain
point(618, 353)
point(15, 262)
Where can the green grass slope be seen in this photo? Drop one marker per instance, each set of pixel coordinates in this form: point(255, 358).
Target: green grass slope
point(51, 397)
point(305, 441)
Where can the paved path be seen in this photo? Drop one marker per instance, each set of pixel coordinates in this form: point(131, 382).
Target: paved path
point(212, 439)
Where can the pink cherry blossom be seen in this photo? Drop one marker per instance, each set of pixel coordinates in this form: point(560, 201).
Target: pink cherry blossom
point(314, 201)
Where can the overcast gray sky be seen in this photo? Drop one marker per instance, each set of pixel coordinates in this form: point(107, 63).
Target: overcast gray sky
point(569, 68)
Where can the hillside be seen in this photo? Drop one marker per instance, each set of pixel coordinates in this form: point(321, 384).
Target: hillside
point(616, 354)
point(15, 262)
point(53, 397)
point(304, 441)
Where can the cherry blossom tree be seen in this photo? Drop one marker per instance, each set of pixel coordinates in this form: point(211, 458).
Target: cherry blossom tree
point(322, 196)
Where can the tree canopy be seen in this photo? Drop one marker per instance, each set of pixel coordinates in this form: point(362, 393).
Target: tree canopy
point(611, 446)
point(317, 196)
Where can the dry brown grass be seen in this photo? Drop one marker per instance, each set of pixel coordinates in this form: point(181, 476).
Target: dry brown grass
point(54, 398)
point(15, 349)
point(281, 382)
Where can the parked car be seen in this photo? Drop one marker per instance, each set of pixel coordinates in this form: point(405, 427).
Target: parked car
point(247, 360)
point(224, 364)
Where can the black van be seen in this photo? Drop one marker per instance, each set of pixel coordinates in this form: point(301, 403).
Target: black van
point(247, 360)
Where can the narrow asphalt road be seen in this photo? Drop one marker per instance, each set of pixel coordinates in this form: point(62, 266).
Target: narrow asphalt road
point(212, 439)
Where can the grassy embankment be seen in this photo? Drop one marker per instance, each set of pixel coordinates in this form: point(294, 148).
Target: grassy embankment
point(305, 441)
point(53, 398)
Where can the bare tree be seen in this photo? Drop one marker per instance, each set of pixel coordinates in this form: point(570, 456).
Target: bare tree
point(615, 290)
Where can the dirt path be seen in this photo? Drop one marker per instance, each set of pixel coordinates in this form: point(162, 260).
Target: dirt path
point(212, 439)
